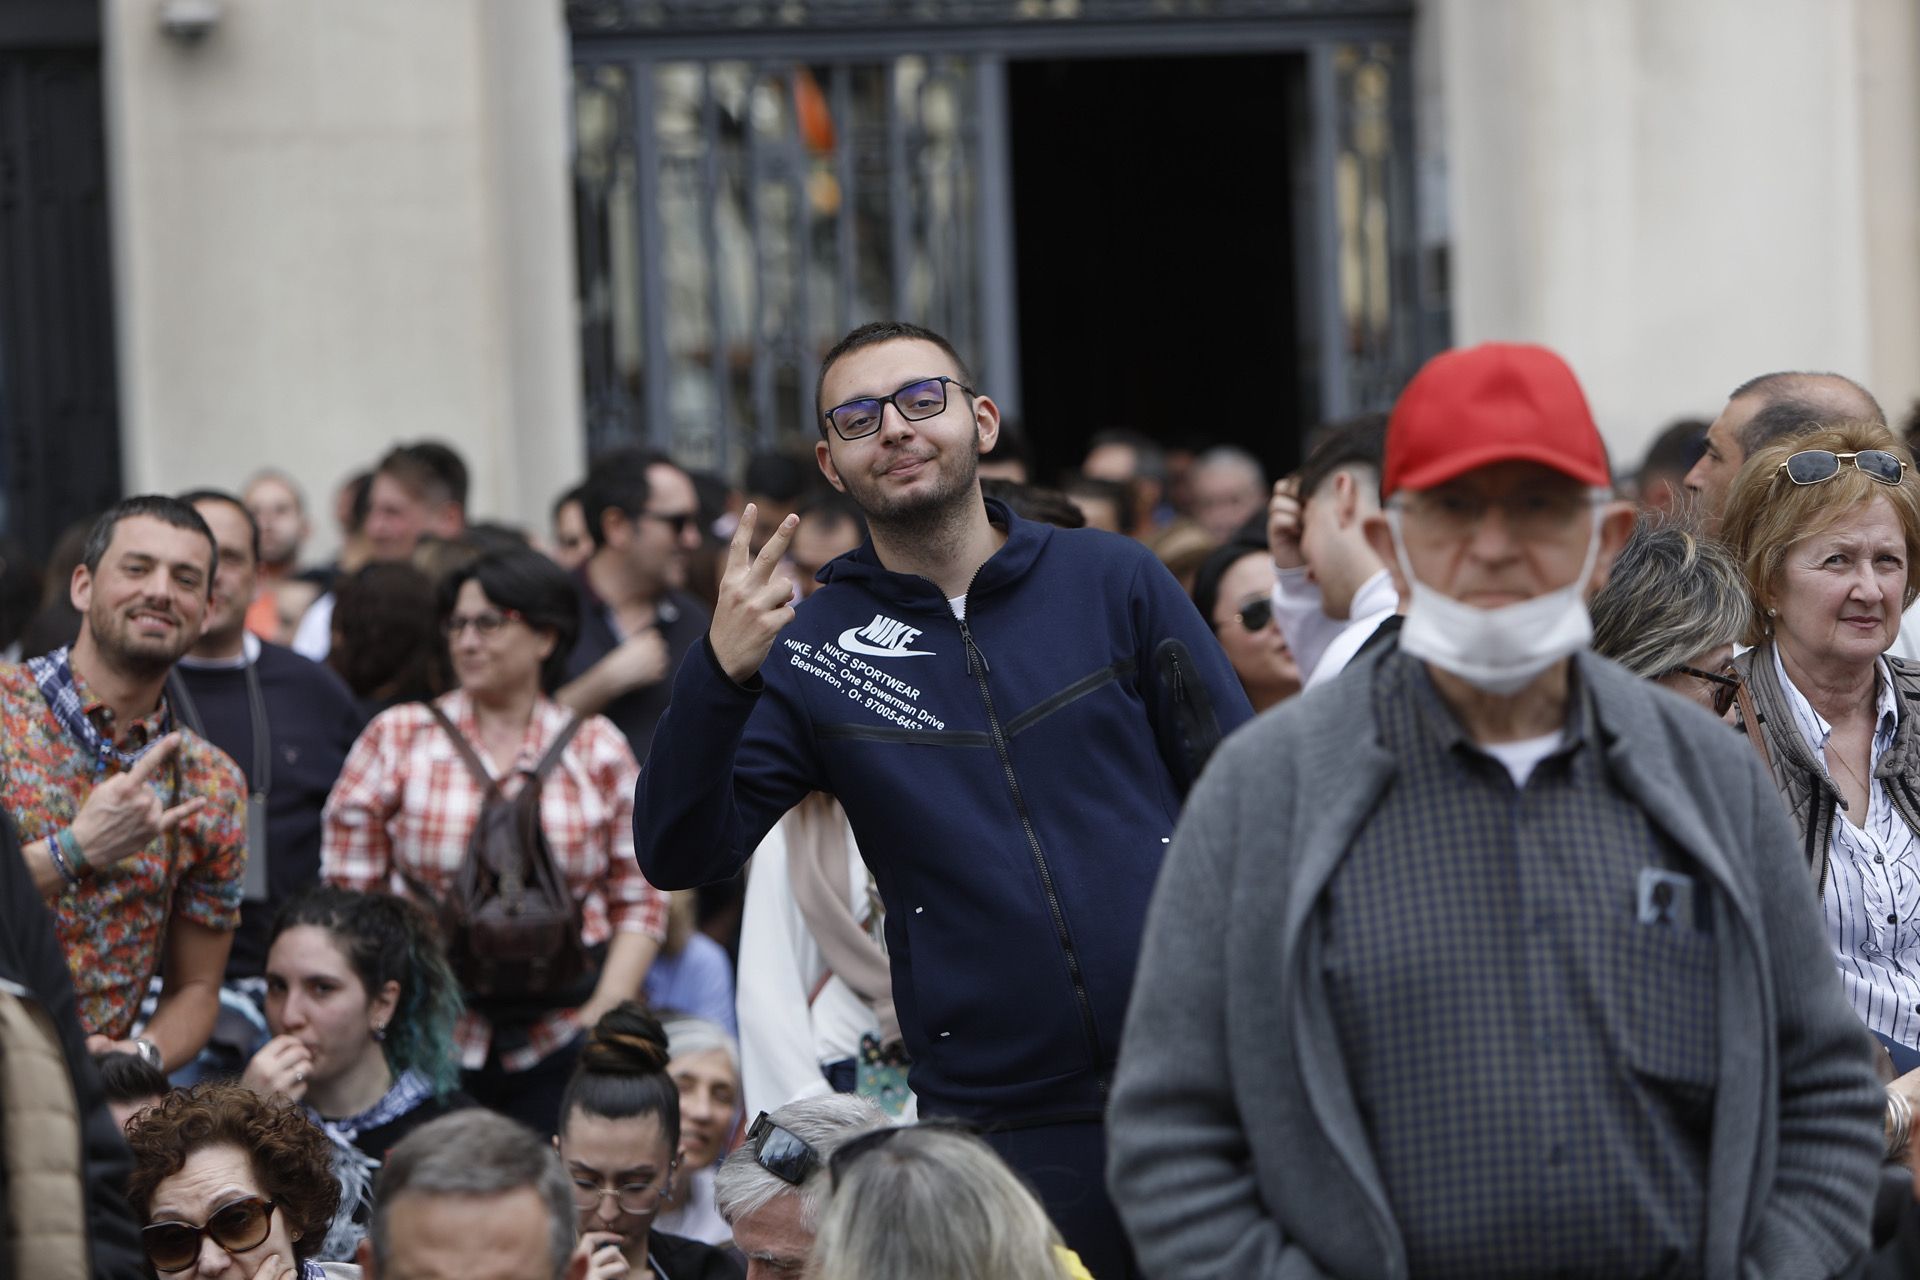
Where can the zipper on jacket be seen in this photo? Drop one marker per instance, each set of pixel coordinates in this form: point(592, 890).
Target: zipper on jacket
point(979, 672)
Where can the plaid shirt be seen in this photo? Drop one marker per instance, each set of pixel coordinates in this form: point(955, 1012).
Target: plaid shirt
point(1535, 1066)
point(406, 803)
point(112, 923)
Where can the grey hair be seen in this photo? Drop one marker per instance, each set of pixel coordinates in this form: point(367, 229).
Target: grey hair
point(474, 1152)
point(1672, 595)
point(742, 1187)
point(1229, 457)
point(934, 1204)
point(687, 1034)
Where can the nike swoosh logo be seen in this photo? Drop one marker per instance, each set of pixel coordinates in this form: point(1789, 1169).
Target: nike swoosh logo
point(850, 641)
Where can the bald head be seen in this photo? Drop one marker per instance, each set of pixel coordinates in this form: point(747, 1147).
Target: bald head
point(1764, 411)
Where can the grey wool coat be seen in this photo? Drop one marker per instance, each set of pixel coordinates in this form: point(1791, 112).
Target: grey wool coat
point(1236, 1146)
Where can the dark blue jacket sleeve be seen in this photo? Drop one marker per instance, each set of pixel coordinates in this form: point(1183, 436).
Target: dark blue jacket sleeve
point(726, 762)
point(1193, 697)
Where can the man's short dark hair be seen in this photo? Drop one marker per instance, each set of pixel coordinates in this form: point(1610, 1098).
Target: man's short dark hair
point(1352, 442)
point(617, 479)
point(158, 506)
point(872, 335)
point(576, 494)
point(1675, 450)
point(194, 497)
point(1120, 495)
point(1149, 458)
point(430, 471)
point(128, 1077)
point(1795, 408)
point(831, 507)
point(779, 475)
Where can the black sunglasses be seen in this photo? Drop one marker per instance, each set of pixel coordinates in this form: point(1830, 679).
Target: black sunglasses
point(1725, 687)
point(1255, 614)
point(1812, 466)
point(849, 1152)
point(681, 521)
point(780, 1151)
point(858, 419)
point(235, 1227)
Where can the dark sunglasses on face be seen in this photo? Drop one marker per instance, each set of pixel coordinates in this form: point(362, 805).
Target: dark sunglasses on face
point(781, 1152)
point(1812, 466)
point(1725, 687)
point(857, 419)
point(235, 1227)
point(1255, 614)
point(679, 521)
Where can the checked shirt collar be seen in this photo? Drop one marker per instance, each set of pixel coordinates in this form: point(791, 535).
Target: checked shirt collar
point(54, 674)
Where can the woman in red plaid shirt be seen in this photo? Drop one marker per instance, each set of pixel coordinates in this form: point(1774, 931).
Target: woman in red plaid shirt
point(406, 802)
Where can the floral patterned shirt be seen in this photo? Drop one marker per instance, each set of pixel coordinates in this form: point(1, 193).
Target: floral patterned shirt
point(405, 804)
point(112, 922)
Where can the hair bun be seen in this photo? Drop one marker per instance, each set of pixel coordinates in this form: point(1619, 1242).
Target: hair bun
point(626, 1041)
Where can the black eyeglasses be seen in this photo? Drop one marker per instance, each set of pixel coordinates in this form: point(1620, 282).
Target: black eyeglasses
point(849, 1152)
point(681, 521)
point(1255, 614)
point(1725, 687)
point(235, 1227)
point(857, 419)
point(1812, 466)
point(780, 1151)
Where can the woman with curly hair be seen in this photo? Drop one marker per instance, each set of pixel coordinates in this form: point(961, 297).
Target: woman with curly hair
point(362, 1007)
point(227, 1182)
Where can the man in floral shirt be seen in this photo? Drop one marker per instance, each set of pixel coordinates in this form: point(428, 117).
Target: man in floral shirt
point(134, 829)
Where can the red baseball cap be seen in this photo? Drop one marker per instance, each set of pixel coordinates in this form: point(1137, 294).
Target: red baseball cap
point(1497, 402)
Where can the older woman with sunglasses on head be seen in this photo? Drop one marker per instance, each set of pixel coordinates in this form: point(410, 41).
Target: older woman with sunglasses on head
point(1233, 590)
point(1826, 528)
point(229, 1183)
point(1673, 606)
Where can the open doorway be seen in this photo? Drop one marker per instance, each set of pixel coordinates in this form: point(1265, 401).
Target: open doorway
point(1155, 213)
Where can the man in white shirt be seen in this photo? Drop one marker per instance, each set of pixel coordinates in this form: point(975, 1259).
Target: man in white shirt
point(1331, 593)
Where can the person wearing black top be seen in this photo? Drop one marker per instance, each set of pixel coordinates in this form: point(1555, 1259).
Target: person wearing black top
point(287, 722)
point(620, 1141)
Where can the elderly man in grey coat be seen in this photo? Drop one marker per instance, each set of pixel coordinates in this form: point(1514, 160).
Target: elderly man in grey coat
point(1487, 959)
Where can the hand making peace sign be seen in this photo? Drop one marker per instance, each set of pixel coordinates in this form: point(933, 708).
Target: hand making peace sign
point(753, 604)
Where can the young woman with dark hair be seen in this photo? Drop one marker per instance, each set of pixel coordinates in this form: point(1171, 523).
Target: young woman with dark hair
point(620, 1138)
point(362, 1008)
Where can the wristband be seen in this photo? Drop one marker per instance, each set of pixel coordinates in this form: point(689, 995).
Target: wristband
point(65, 855)
point(1899, 1124)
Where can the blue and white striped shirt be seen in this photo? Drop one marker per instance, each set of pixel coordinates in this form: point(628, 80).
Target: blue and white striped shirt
point(1872, 903)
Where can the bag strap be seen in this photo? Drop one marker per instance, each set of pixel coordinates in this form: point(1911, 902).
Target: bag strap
point(559, 744)
point(1750, 721)
point(466, 750)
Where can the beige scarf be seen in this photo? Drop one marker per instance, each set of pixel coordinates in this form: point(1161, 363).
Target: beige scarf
point(816, 832)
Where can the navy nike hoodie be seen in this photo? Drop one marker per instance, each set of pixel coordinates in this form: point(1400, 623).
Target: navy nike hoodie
point(1012, 781)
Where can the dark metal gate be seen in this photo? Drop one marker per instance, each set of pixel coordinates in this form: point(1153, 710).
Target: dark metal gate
point(754, 177)
point(59, 414)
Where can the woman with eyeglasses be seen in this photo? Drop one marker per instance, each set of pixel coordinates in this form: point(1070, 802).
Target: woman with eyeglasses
point(403, 811)
point(1826, 528)
point(933, 1202)
point(1673, 606)
point(620, 1141)
point(1234, 592)
point(228, 1183)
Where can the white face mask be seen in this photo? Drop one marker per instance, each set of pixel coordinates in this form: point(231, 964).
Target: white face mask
point(1498, 650)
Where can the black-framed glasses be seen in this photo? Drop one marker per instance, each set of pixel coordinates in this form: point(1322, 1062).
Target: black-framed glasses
point(1254, 615)
point(849, 1152)
point(857, 419)
point(780, 1151)
point(680, 521)
point(236, 1227)
point(486, 624)
point(1725, 687)
point(1813, 466)
point(632, 1197)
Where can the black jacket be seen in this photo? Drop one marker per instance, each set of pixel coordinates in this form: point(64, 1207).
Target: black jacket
point(30, 956)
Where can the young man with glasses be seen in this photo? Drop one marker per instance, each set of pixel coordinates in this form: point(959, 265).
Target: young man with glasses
point(1009, 713)
point(1489, 958)
point(636, 618)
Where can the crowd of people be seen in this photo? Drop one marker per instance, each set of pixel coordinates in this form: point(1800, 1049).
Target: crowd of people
point(1447, 859)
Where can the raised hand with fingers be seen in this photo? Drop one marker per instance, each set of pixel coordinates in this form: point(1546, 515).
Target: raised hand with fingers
point(1283, 524)
point(280, 1067)
point(754, 602)
point(123, 815)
